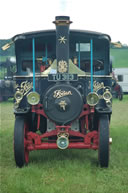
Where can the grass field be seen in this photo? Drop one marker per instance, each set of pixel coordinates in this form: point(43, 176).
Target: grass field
point(119, 58)
point(69, 171)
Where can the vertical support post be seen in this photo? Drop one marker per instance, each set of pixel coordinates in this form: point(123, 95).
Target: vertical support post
point(79, 55)
point(91, 43)
point(46, 54)
point(33, 54)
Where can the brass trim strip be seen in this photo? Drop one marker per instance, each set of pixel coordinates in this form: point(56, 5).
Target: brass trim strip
point(45, 75)
point(87, 75)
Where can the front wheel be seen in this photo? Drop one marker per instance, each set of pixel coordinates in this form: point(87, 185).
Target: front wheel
point(103, 130)
point(20, 133)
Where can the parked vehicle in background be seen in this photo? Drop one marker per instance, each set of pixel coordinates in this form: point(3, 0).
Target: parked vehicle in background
point(121, 75)
point(7, 70)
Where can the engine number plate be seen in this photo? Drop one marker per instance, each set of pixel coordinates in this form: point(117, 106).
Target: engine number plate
point(62, 77)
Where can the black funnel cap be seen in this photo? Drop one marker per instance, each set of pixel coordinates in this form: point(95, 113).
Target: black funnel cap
point(62, 20)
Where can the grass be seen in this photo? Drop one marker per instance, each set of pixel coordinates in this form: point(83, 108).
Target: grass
point(3, 58)
point(69, 171)
point(3, 72)
point(119, 58)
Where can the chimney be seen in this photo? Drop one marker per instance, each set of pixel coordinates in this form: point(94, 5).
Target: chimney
point(62, 43)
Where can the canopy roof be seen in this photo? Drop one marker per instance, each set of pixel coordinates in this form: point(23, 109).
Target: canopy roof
point(36, 34)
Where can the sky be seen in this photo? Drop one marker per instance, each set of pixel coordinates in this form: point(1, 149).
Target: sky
point(106, 16)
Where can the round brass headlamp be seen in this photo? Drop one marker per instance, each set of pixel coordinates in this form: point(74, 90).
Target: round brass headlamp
point(107, 95)
point(18, 96)
point(33, 98)
point(92, 98)
point(62, 141)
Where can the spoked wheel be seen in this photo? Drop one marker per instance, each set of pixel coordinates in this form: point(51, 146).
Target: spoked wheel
point(103, 130)
point(20, 151)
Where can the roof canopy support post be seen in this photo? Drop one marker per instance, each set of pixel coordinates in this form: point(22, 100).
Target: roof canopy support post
point(46, 53)
point(33, 54)
point(79, 54)
point(91, 43)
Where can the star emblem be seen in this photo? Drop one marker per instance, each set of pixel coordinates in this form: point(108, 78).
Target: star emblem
point(62, 40)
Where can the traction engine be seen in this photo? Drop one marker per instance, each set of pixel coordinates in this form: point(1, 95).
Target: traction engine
point(72, 112)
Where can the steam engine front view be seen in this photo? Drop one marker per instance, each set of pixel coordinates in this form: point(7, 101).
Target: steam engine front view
point(63, 91)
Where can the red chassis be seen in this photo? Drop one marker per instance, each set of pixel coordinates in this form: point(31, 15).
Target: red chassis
point(87, 140)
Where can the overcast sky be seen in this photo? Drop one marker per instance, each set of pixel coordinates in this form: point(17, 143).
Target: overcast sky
point(107, 16)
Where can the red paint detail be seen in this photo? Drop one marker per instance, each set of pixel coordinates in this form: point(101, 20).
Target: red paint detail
point(73, 145)
point(35, 141)
point(86, 121)
point(38, 109)
point(38, 121)
point(85, 140)
point(87, 110)
point(82, 124)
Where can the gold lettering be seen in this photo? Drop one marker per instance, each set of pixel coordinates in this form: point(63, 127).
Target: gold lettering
point(60, 93)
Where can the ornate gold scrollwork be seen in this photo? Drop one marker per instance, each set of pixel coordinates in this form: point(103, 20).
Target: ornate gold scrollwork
point(106, 90)
point(21, 90)
point(62, 66)
point(98, 85)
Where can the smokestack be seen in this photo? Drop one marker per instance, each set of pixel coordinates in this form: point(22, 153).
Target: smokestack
point(62, 43)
